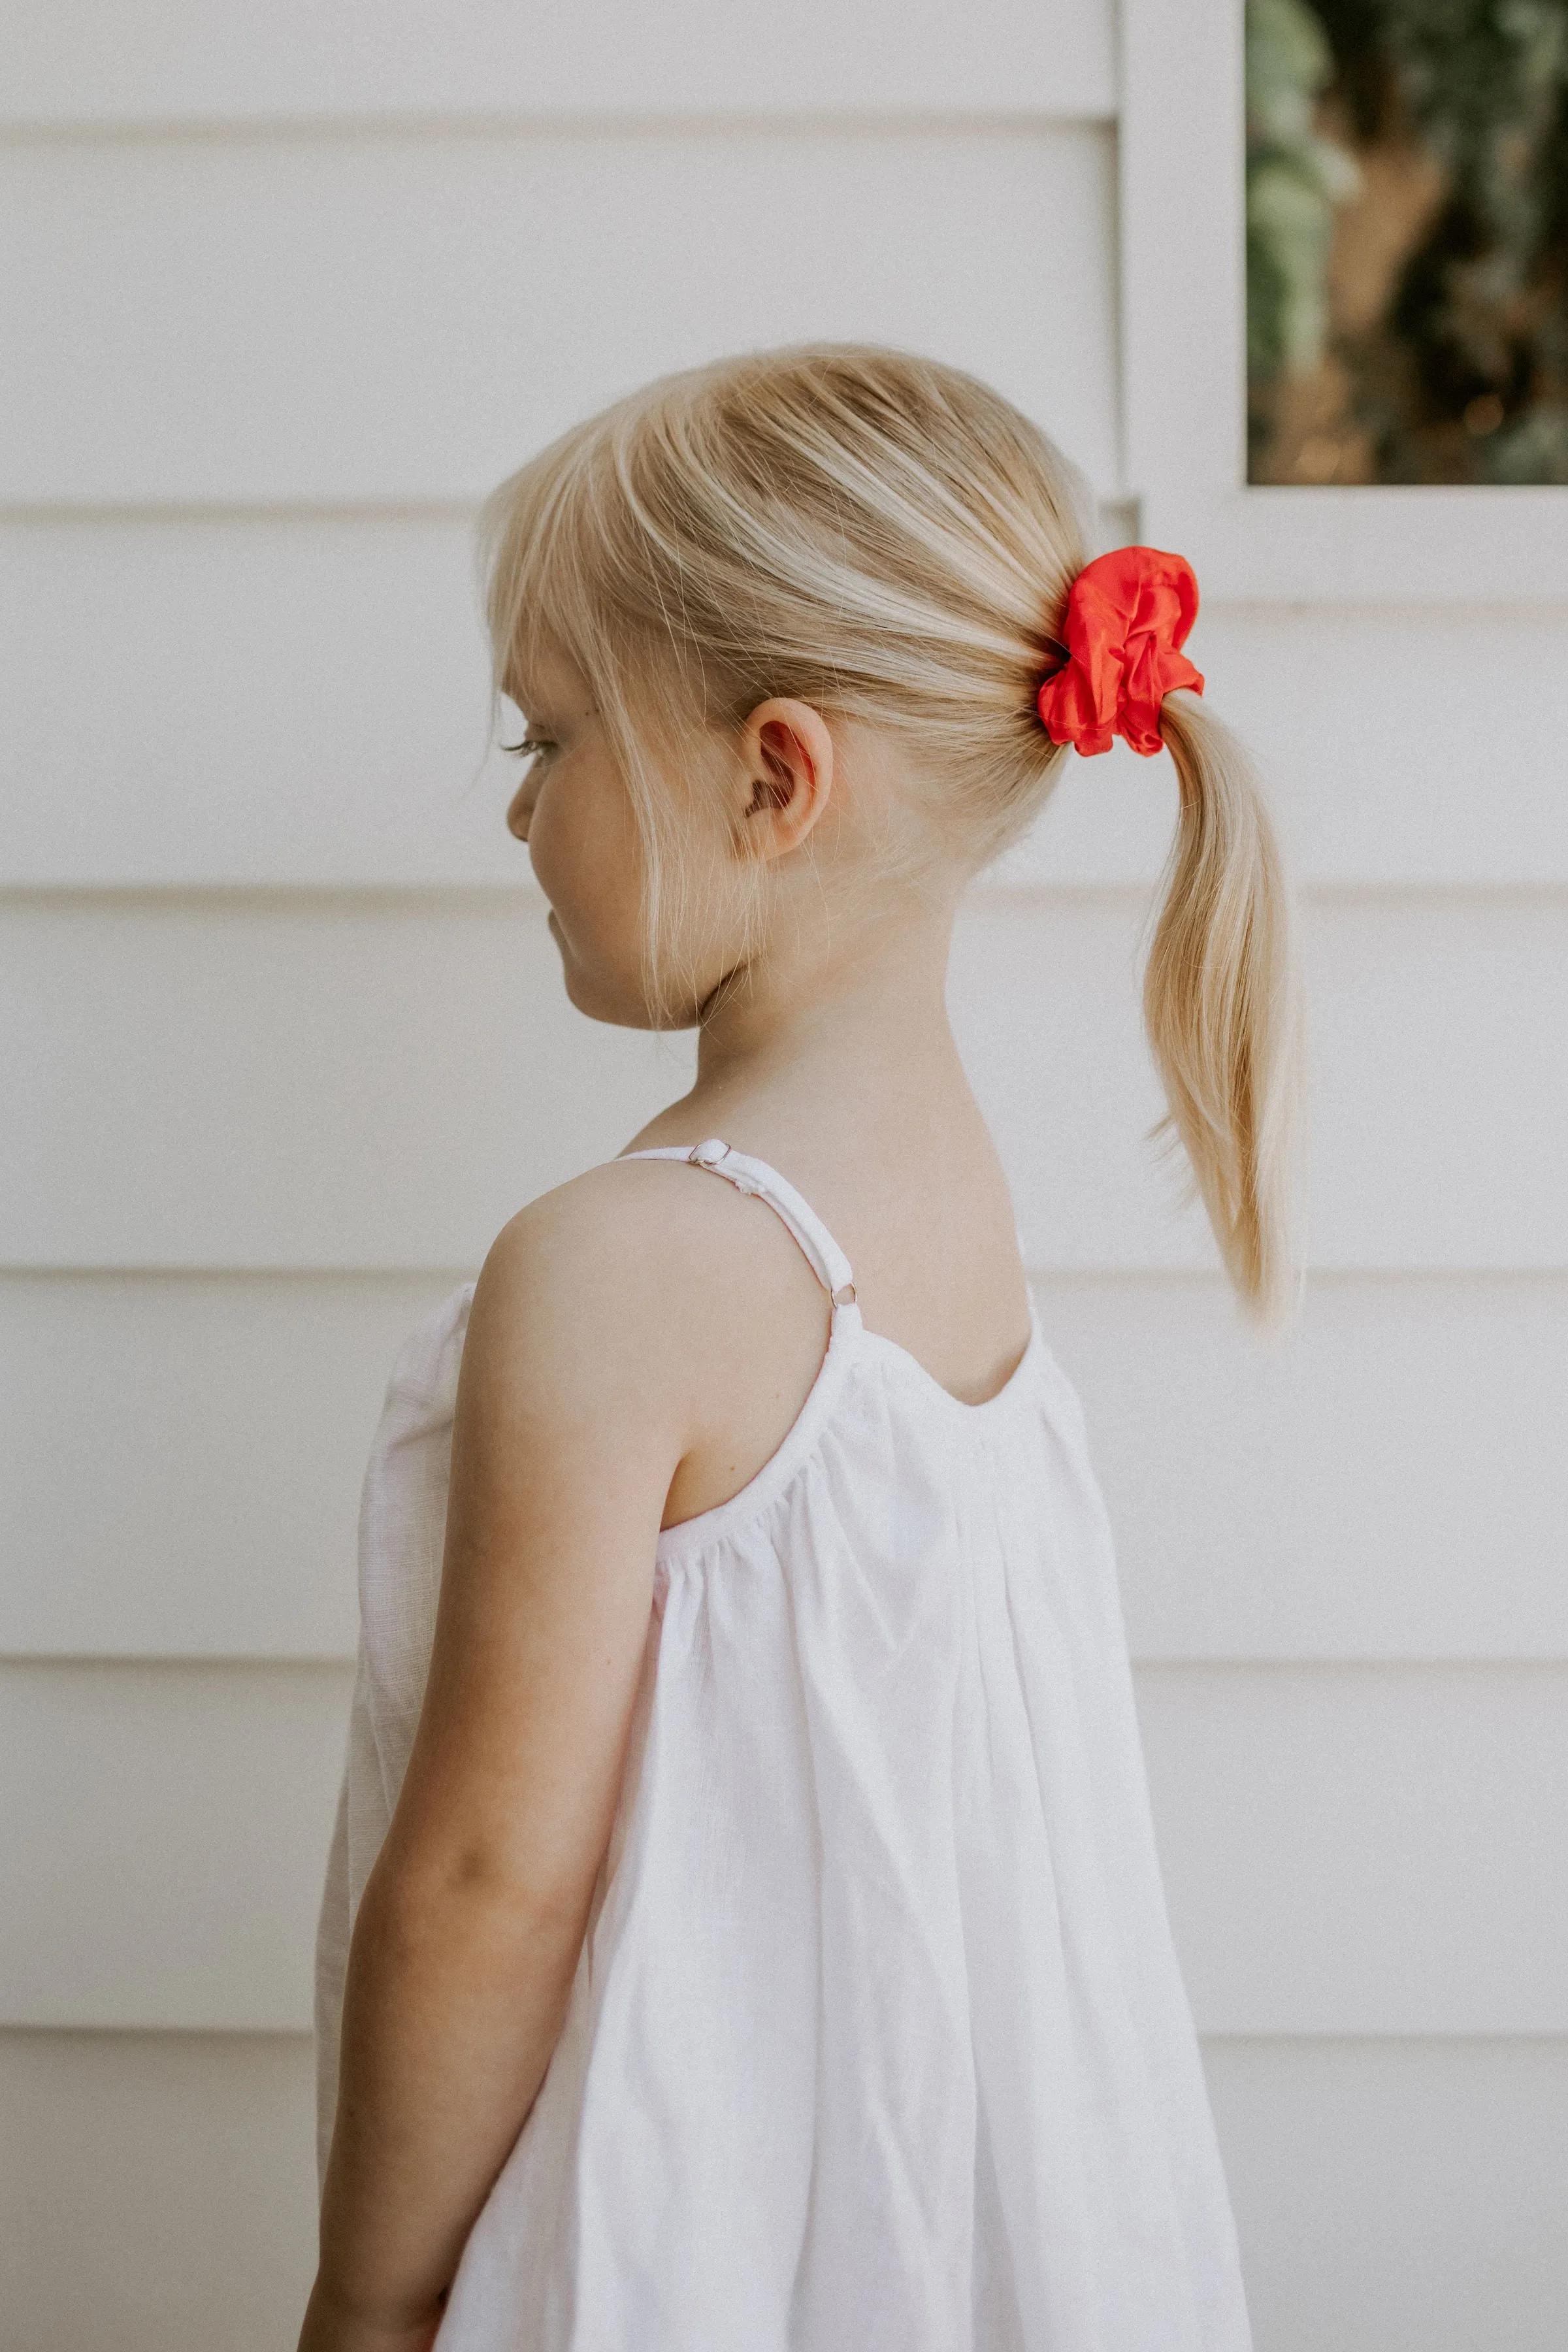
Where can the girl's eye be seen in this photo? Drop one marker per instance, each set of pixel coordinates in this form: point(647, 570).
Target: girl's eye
point(530, 747)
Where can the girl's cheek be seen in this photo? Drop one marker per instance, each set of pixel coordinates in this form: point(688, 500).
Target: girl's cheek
point(583, 848)
point(545, 848)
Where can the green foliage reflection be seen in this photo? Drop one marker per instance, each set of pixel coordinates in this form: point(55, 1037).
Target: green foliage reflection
point(1407, 240)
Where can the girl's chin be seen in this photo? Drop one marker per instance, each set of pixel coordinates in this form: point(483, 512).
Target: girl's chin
point(620, 1008)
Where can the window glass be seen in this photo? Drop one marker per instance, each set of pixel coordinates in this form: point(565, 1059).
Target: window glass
point(1407, 240)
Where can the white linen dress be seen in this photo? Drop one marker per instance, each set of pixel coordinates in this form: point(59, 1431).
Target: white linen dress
point(878, 2042)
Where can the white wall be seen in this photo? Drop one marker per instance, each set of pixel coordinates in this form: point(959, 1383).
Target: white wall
point(287, 289)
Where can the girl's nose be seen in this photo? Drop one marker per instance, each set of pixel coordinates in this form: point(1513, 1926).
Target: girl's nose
point(520, 811)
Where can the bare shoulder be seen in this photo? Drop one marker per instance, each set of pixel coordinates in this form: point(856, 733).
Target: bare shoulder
point(642, 1284)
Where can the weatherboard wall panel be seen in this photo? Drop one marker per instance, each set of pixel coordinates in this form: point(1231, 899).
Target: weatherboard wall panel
point(181, 1457)
point(304, 700)
point(343, 1082)
point(1347, 1850)
point(166, 62)
point(398, 316)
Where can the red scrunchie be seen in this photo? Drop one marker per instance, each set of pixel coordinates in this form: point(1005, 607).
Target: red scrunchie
point(1127, 619)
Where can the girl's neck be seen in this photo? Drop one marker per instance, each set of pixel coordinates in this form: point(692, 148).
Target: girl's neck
point(850, 1028)
point(836, 1064)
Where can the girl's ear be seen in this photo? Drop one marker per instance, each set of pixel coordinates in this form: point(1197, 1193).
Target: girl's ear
point(786, 753)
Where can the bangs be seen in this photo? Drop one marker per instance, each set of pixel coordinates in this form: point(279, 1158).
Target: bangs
point(536, 554)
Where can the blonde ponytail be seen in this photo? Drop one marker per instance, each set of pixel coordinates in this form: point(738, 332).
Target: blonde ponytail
point(892, 542)
point(1221, 1003)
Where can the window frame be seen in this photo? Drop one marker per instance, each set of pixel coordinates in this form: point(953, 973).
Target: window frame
point(1184, 318)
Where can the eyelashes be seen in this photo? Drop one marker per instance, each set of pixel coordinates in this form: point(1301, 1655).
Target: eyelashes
point(530, 748)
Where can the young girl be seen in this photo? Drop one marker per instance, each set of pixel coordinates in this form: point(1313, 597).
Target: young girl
point(757, 1943)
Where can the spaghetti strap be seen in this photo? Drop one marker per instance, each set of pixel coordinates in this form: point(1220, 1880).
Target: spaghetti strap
point(822, 1253)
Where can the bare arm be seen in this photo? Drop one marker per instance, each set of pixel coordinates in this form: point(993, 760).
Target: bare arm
point(564, 1448)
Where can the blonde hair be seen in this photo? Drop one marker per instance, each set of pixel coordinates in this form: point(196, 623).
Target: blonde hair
point(890, 540)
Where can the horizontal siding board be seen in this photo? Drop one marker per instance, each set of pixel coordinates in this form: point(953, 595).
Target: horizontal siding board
point(1399, 2196)
point(1388, 1481)
point(1383, 730)
point(158, 2192)
point(1365, 1850)
point(1439, 1109)
point(272, 701)
point(1346, 1849)
point(1441, 1090)
point(306, 700)
point(180, 1460)
point(162, 1849)
point(1399, 748)
point(1391, 2197)
point(163, 61)
point(346, 1082)
point(312, 1084)
point(401, 317)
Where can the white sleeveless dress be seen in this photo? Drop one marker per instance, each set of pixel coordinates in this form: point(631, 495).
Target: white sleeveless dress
point(878, 2042)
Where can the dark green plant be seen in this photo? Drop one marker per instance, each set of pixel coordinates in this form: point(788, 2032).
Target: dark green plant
point(1294, 180)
